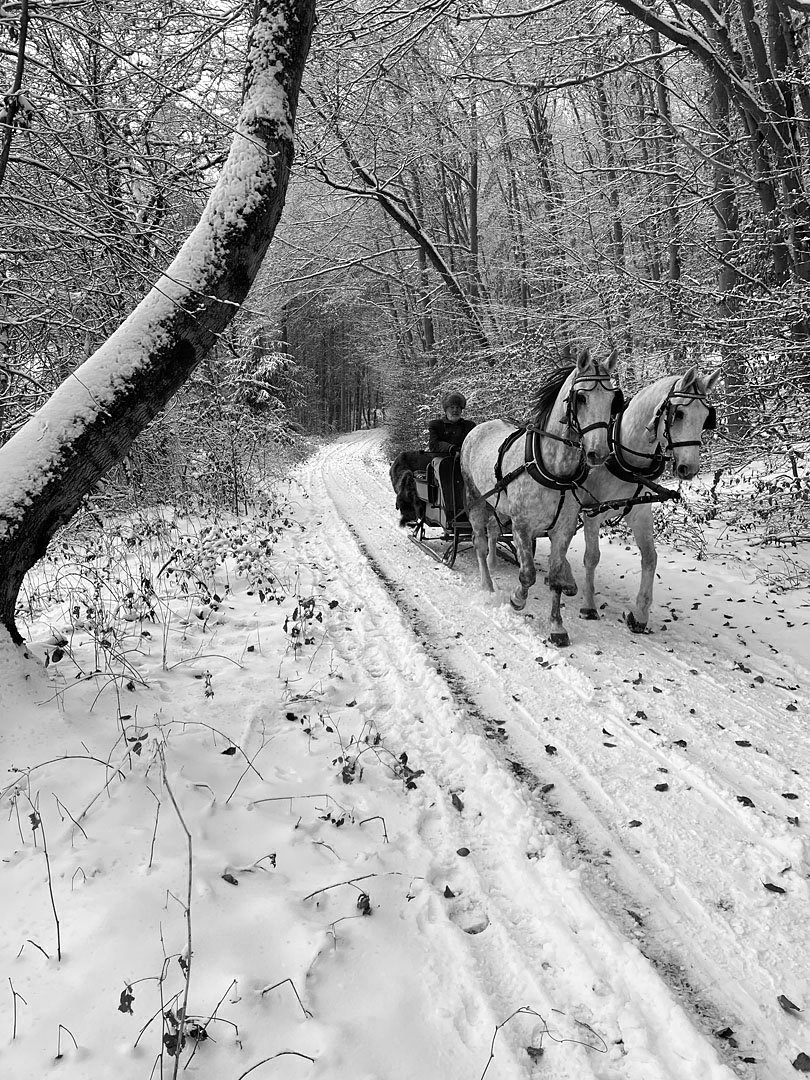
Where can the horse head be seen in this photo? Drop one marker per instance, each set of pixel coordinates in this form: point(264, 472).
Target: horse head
point(681, 417)
point(589, 401)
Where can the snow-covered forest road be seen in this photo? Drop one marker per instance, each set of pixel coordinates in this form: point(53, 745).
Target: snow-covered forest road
point(671, 770)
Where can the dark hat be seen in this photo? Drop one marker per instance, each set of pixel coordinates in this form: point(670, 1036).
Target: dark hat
point(453, 397)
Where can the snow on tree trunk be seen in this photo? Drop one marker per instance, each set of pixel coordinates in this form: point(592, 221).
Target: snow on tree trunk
point(92, 419)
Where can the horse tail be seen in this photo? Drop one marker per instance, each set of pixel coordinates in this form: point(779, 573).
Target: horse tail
point(408, 502)
point(395, 472)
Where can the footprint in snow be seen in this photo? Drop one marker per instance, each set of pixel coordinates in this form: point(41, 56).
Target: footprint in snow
point(468, 914)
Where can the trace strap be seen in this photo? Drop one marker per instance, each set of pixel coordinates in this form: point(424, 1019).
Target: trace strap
point(659, 494)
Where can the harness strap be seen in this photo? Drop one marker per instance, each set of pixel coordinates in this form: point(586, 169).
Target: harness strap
point(537, 467)
point(534, 465)
point(616, 465)
point(509, 441)
point(658, 494)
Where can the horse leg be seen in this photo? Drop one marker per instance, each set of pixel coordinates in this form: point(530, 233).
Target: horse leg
point(591, 561)
point(527, 575)
point(478, 516)
point(493, 530)
point(641, 522)
point(560, 575)
point(558, 635)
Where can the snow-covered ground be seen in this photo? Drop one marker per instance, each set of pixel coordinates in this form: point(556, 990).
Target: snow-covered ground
point(403, 835)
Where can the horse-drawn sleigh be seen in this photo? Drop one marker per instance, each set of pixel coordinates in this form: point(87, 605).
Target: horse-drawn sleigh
point(430, 499)
point(586, 456)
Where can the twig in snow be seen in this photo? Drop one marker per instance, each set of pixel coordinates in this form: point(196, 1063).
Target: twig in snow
point(30, 942)
point(154, 831)
point(204, 656)
point(271, 856)
point(59, 1040)
point(377, 817)
point(187, 969)
point(246, 769)
point(62, 806)
point(351, 881)
point(37, 823)
point(284, 798)
point(281, 1053)
point(14, 996)
point(524, 1010)
point(204, 1028)
point(267, 990)
point(51, 761)
point(15, 802)
point(200, 723)
point(154, 1016)
point(332, 926)
point(323, 843)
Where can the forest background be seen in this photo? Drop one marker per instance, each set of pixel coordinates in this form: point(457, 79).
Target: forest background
point(477, 186)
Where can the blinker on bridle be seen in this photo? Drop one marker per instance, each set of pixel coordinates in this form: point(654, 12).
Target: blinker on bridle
point(665, 410)
point(570, 416)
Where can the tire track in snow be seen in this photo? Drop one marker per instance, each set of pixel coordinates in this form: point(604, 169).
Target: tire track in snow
point(611, 894)
point(516, 927)
point(678, 917)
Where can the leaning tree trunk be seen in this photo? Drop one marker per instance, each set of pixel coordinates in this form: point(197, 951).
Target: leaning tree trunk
point(92, 419)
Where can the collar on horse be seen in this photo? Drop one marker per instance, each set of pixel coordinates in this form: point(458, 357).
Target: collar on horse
point(618, 464)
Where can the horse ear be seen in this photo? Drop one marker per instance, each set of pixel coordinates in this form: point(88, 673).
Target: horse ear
point(686, 379)
point(612, 360)
point(712, 380)
point(584, 360)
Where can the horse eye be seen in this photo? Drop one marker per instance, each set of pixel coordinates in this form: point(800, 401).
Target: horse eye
point(580, 399)
point(678, 415)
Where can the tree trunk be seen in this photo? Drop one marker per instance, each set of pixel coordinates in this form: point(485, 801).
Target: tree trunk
point(669, 159)
point(92, 419)
point(604, 116)
point(728, 223)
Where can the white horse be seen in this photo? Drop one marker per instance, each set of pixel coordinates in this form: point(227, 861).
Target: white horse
point(663, 421)
point(521, 476)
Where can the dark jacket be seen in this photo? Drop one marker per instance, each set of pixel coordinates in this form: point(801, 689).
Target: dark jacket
point(446, 436)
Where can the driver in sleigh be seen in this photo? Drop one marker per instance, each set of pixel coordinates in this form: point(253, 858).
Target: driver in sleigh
point(448, 432)
point(445, 435)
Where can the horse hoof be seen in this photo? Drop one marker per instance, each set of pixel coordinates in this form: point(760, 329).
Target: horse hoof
point(559, 638)
point(517, 606)
point(570, 589)
point(588, 613)
point(633, 625)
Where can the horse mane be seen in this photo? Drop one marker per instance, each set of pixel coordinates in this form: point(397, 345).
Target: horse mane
point(549, 391)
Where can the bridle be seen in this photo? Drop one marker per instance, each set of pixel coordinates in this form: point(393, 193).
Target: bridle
point(664, 411)
point(618, 463)
point(571, 418)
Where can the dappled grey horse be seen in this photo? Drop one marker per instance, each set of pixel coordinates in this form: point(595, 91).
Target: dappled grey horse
point(521, 476)
point(664, 421)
